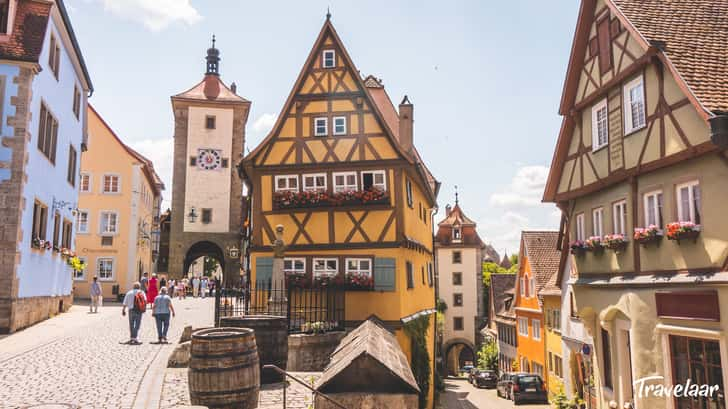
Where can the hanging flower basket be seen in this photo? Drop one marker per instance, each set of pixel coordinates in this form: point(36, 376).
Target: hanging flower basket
point(683, 231)
point(594, 244)
point(647, 235)
point(615, 242)
point(578, 247)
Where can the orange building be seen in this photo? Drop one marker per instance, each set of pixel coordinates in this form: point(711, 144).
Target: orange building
point(539, 260)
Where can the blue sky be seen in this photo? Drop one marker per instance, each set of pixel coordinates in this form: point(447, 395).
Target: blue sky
point(485, 78)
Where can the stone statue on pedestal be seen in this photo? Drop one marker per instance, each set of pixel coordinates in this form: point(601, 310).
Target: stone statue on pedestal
point(278, 302)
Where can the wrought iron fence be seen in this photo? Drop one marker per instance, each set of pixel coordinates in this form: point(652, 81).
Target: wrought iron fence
point(307, 309)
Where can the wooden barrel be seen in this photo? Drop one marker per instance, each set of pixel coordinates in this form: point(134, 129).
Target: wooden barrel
point(271, 336)
point(224, 368)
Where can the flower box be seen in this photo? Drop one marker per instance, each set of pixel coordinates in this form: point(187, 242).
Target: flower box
point(359, 282)
point(647, 235)
point(294, 200)
point(334, 281)
point(683, 231)
point(298, 280)
point(594, 244)
point(615, 242)
point(578, 247)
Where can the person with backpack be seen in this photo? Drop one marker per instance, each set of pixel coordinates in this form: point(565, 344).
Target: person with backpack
point(136, 301)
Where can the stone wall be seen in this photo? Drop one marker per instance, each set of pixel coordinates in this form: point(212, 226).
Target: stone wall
point(24, 312)
point(369, 400)
point(311, 352)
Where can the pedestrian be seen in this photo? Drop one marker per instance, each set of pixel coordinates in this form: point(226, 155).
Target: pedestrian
point(172, 286)
point(181, 289)
point(96, 296)
point(152, 289)
point(135, 301)
point(163, 282)
point(195, 286)
point(203, 287)
point(144, 281)
point(160, 310)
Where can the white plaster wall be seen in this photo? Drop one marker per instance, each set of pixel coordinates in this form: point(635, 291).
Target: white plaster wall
point(471, 269)
point(209, 188)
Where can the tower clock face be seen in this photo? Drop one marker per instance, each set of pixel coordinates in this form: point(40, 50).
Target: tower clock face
point(209, 159)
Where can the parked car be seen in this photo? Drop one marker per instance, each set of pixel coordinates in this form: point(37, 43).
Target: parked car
point(528, 388)
point(505, 383)
point(485, 379)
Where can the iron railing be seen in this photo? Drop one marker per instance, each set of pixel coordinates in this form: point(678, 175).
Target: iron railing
point(307, 309)
point(313, 391)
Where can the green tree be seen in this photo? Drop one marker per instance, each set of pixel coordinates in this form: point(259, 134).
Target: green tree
point(488, 356)
point(210, 266)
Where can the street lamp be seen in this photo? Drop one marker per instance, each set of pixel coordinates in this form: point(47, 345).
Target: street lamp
point(192, 216)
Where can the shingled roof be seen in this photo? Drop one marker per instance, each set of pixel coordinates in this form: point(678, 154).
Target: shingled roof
point(500, 284)
point(694, 34)
point(543, 256)
point(26, 39)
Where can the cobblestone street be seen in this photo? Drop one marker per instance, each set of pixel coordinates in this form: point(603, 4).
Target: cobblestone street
point(77, 359)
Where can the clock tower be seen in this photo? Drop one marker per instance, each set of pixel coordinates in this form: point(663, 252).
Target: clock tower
point(207, 203)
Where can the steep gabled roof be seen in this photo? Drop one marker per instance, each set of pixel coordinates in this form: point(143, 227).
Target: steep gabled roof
point(500, 285)
point(211, 88)
point(543, 256)
point(456, 217)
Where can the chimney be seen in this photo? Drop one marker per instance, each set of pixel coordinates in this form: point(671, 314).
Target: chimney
point(406, 112)
point(448, 209)
point(234, 88)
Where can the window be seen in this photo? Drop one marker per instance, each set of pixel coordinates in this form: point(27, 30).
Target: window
point(556, 320)
point(605, 46)
point(600, 125)
point(572, 302)
point(107, 240)
point(109, 223)
point(325, 267)
point(457, 257)
point(105, 268)
point(523, 286)
point(66, 238)
point(580, 235)
point(76, 101)
point(688, 202)
point(206, 216)
point(697, 359)
point(328, 59)
point(82, 221)
point(536, 324)
point(321, 127)
point(373, 179)
point(295, 266)
point(457, 299)
point(111, 184)
point(422, 274)
point(339, 125)
point(359, 266)
point(344, 182)
point(47, 133)
point(457, 278)
point(80, 275)
point(523, 326)
point(653, 208)
point(72, 162)
point(410, 274)
point(54, 56)
point(286, 183)
point(537, 368)
point(456, 233)
point(430, 274)
point(408, 187)
point(619, 214)
point(597, 217)
point(56, 230)
point(210, 122)
point(607, 358)
point(532, 287)
point(634, 105)
point(457, 323)
point(40, 220)
point(4, 16)
point(85, 183)
point(314, 182)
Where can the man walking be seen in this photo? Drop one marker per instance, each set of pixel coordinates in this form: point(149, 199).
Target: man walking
point(144, 282)
point(136, 301)
point(96, 296)
point(203, 287)
point(195, 286)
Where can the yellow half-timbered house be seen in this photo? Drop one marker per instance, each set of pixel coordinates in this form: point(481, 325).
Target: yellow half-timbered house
point(340, 173)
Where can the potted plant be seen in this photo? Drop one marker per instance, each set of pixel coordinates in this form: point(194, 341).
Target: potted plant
point(683, 231)
point(578, 247)
point(297, 280)
point(594, 244)
point(647, 234)
point(615, 242)
point(323, 281)
point(359, 281)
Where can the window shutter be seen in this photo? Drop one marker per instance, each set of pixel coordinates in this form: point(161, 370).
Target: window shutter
point(384, 274)
point(263, 269)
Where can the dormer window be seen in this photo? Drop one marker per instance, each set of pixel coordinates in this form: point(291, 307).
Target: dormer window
point(456, 233)
point(329, 59)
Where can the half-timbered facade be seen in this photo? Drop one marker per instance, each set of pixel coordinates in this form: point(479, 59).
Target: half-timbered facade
point(642, 192)
point(340, 173)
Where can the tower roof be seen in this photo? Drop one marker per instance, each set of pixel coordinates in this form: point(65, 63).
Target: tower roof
point(456, 217)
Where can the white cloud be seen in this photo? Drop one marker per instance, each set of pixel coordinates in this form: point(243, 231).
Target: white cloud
point(160, 152)
point(264, 123)
point(156, 15)
point(525, 189)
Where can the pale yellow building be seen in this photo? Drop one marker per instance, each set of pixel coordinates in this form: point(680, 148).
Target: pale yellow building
point(118, 213)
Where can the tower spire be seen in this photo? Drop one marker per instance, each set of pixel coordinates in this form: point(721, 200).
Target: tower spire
point(328, 13)
point(213, 59)
point(456, 195)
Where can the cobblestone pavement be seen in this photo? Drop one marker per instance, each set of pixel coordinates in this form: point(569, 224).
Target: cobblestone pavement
point(76, 359)
point(459, 394)
point(175, 391)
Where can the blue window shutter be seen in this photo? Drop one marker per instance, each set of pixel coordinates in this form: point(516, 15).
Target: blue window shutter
point(384, 274)
point(263, 268)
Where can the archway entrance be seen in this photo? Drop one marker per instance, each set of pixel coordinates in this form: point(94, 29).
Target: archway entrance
point(457, 356)
point(204, 258)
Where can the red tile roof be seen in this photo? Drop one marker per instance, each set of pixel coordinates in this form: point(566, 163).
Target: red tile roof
point(695, 34)
point(26, 40)
point(211, 88)
point(543, 256)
